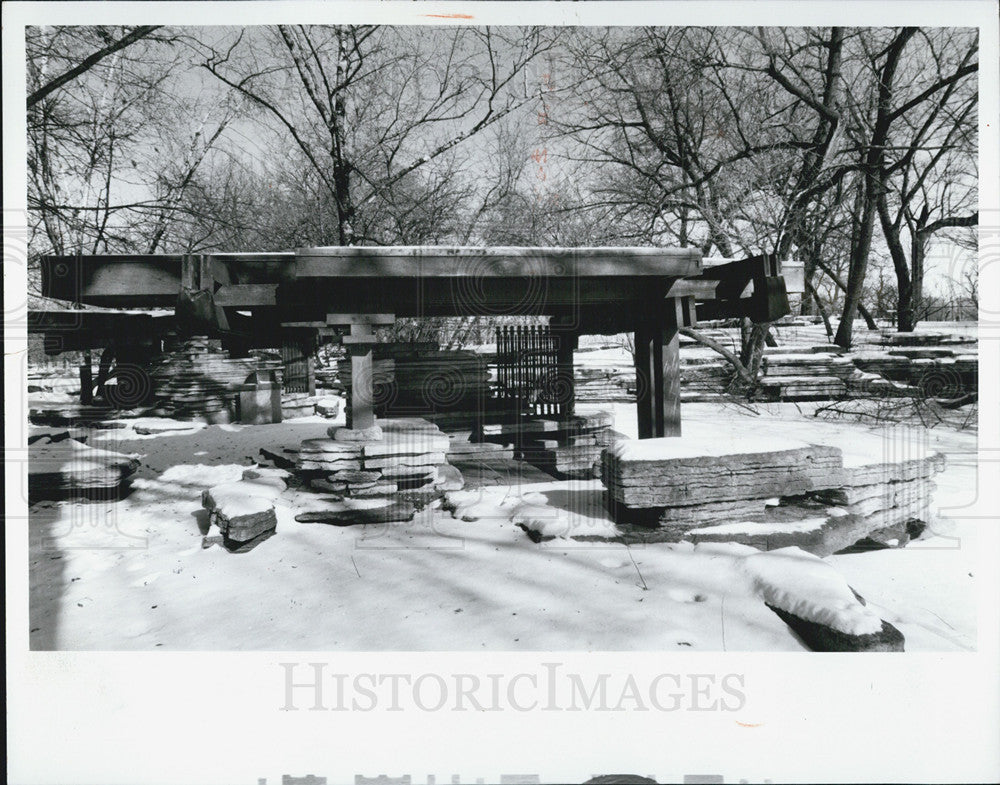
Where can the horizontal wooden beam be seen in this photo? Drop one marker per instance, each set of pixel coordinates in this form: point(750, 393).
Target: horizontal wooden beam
point(346, 319)
point(247, 295)
point(700, 288)
point(494, 262)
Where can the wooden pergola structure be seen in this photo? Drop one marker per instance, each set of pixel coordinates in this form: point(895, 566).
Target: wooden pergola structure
point(257, 298)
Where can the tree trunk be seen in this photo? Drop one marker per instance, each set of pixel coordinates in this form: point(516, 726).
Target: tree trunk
point(812, 294)
point(341, 166)
point(904, 287)
point(753, 348)
point(873, 163)
point(865, 314)
point(806, 308)
point(858, 264)
point(917, 277)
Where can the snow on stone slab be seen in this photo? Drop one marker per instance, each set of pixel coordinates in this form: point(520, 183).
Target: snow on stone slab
point(265, 473)
point(560, 508)
point(695, 445)
point(200, 475)
point(242, 497)
point(69, 464)
point(867, 449)
point(490, 503)
point(806, 586)
point(547, 520)
point(762, 527)
point(158, 426)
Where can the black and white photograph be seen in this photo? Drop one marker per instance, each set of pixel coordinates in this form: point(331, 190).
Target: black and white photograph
point(403, 389)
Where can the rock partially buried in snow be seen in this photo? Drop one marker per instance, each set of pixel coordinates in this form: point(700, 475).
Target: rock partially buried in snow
point(449, 478)
point(244, 510)
point(820, 637)
point(328, 407)
point(351, 512)
point(805, 585)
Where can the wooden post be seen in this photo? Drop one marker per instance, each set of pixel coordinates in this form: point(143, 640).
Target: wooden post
point(644, 382)
point(86, 379)
point(566, 342)
point(657, 372)
point(361, 415)
point(669, 398)
point(311, 374)
point(360, 343)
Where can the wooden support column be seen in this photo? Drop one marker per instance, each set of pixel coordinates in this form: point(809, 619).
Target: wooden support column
point(657, 371)
point(86, 379)
point(361, 415)
point(360, 343)
point(311, 374)
point(669, 364)
point(566, 342)
point(644, 381)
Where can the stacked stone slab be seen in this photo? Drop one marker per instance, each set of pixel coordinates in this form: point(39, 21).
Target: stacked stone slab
point(679, 472)
point(601, 384)
point(60, 467)
point(566, 447)
point(243, 510)
point(805, 376)
point(196, 379)
point(785, 493)
point(934, 372)
point(396, 455)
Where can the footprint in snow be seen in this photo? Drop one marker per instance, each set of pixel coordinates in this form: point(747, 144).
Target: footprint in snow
point(686, 595)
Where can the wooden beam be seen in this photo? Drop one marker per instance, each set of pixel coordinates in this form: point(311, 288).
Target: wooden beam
point(247, 295)
point(495, 262)
point(668, 394)
point(566, 343)
point(371, 319)
point(657, 370)
point(361, 415)
point(644, 382)
point(87, 379)
point(701, 288)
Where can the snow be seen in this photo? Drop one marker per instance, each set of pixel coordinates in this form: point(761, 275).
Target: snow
point(246, 497)
point(808, 587)
point(440, 582)
point(699, 441)
point(764, 527)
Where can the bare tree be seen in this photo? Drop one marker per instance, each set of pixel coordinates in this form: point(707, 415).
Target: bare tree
point(929, 180)
point(372, 109)
point(88, 62)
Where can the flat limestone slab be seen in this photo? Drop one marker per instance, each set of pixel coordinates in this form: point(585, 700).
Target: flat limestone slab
point(420, 443)
point(66, 466)
point(243, 510)
point(305, 464)
point(700, 451)
point(819, 535)
point(427, 460)
point(330, 447)
point(679, 471)
point(352, 513)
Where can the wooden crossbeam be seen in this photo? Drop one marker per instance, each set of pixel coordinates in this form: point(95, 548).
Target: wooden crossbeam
point(247, 295)
point(352, 319)
point(493, 262)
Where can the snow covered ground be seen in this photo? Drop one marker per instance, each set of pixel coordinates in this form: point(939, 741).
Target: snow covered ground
point(146, 572)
